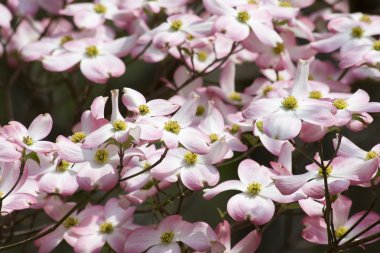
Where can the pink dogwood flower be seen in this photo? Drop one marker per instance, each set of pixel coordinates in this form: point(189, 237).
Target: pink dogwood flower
point(55, 208)
point(98, 60)
point(166, 236)
point(315, 226)
point(96, 167)
point(279, 113)
point(110, 225)
point(342, 173)
point(196, 171)
point(255, 203)
point(30, 139)
point(118, 128)
point(237, 23)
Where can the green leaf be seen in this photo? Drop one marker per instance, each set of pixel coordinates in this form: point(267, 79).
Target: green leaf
point(33, 156)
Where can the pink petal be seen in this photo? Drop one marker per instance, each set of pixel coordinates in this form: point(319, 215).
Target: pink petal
point(40, 127)
point(276, 125)
point(225, 186)
point(194, 140)
point(99, 136)
point(248, 244)
point(101, 68)
point(141, 239)
point(290, 184)
point(61, 62)
point(69, 151)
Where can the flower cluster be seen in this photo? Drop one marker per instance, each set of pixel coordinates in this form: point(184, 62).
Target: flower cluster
point(120, 178)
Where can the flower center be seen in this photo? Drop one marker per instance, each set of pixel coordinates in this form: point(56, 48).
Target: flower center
point(340, 232)
point(176, 25)
point(119, 125)
point(190, 158)
point(62, 166)
point(328, 171)
point(376, 45)
point(70, 222)
point(290, 103)
point(234, 129)
point(200, 110)
point(234, 96)
point(144, 109)
point(92, 51)
point(243, 16)
point(251, 2)
point(202, 56)
point(167, 237)
point(213, 137)
point(279, 48)
point(65, 39)
point(267, 89)
point(366, 19)
point(101, 156)
point(372, 155)
point(106, 228)
point(100, 8)
point(78, 137)
point(254, 188)
point(172, 126)
point(1, 194)
point(315, 94)
point(285, 3)
point(27, 140)
point(357, 32)
point(340, 104)
point(260, 126)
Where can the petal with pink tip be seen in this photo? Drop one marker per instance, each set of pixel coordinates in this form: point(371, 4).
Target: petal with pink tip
point(248, 244)
point(99, 136)
point(141, 239)
point(276, 125)
point(61, 62)
point(69, 151)
point(290, 184)
point(40, 127)
point(225, 186)
point(194, 140)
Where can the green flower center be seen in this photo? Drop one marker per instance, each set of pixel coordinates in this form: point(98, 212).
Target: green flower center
point(70, 222)
point(254, 188)
point(66, 38)
point(167, 237)
point(92, 51)
point(190, 158)
point(260, 126)
point(200, 110)
point(366, 19)
point(214, 137)
point(267, 89)
point(176, 25)
point(251, 2)
point(144, 109)
point(357, 32)
point(119, 125)
point(106, 228)
point(372, 155)
point(340, 104)
point(28, 140)
point(234, 96)
point(243, 16)
point(328, 171)
point(340, 232)
point(78, 137)
point(290, 103)
point(285, 3)
point(101, 156)
point(62, 166)
point(100, 8)
point(234, 129)
point(376, 45)
point(279, 48)
point(315, 94)
point(202, 56)
point(172, 126)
